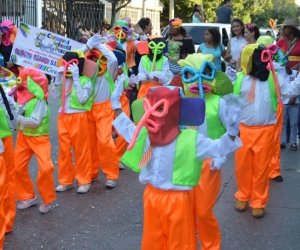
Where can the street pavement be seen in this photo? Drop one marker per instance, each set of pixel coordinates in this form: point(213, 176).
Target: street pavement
point(112, 219)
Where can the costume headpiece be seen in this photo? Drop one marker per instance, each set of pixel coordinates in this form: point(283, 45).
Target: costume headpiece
point(162, 111)
point(250, 26)
point(176, 23)
point(8, 81)
point(6, 27)
point(31, 83)
point(197, 64)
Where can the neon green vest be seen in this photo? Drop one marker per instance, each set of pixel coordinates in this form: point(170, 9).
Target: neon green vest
point(4, 126)
point(273, 93)
point(186, 169)
point(159, 63)
point(214, 124)
point(110, 81)
point(74, 102)
point(43, 129)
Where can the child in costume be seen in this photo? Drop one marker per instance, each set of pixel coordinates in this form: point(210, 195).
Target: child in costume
point(9, 122)
point(74, 87)
point(154, 66)
point(199, 78)
point(33, 138)
point(169, 161)
point(2, 195)
point(101, 116)
point(260, 90)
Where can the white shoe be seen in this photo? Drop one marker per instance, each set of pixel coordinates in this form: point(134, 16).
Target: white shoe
point(22, 204)
point(111, 183)
point(121, 165)
point(84, 188)
point(62, 188)
point(44, 208)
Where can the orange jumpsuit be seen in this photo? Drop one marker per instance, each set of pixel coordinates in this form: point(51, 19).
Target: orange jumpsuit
point(274, 167)
point(2, 197)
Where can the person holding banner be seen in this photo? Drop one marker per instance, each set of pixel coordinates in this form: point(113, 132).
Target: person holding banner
point(74, 87)
point(33, 138)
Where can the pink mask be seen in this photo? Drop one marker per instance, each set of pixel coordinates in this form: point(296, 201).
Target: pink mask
point(8, 27)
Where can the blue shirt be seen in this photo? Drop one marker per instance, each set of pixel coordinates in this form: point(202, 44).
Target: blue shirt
point(216, 52)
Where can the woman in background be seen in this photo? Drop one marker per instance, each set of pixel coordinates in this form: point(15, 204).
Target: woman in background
point(198, 14)
point(236, 41)
point(212, 45)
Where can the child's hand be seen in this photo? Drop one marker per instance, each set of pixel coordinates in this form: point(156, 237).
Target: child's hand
point(119, 72)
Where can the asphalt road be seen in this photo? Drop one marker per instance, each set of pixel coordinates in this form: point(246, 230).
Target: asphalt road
point(106, 219)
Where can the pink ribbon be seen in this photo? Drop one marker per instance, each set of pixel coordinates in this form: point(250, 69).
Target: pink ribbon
point(63, 96)
point(266, 57)
point(150, 124)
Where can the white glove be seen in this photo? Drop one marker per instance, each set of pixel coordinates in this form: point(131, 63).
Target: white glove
point(155, 74)
point(75, 72)
point(217, 163)
point(94, 41)
point(59, 75)
point(233, 113)
point(133, 80)
point(231, 73)
point(21, 109)
point(148, 76)
point(116, 94)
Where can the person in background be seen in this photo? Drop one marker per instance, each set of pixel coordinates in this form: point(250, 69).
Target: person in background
point(236, 41)
point(225, 13)
point(251, 34)
point(180, 44)
point(198, 14)
point(268, 33)
point(212, 45)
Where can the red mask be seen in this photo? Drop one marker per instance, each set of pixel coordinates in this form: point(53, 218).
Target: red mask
point(163, 130)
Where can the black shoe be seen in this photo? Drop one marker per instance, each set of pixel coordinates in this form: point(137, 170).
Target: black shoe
point(278, 178)
point(282, 145)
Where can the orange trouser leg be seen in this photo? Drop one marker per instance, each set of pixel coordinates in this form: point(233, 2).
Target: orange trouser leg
point(205, 195)
point(73, 131)
point(121, 144)
point(252, 164)
point(41, 147)
point(10, 200)
point(93, 141)
point(103, 117)
point(274, 167)
point(168, 220)
point(2, 196)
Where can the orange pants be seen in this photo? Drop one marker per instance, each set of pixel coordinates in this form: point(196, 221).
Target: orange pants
point(252, 164)
point(10, 199)
point(121, 144)
point(2, 197)
point(168, 220)
point(73, 131)
point(145, 86)
point(104, 150)
point(204, 197)
point(274, 167)
point(26, 146)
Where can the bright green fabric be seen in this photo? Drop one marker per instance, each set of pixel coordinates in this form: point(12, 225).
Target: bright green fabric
point(186, 170)
point(4, 126)
point(74, 102)
point(146, 63)
point(110, 81)
point(43, 129)
point(132, 157)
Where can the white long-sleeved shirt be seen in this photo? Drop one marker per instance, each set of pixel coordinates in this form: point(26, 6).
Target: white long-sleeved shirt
point(261, 112)
point(158, 171)
point(83, 93)
point(289, 78)
point(102, 90)
point(164, 76)
point(14, 123)
point(37, 115)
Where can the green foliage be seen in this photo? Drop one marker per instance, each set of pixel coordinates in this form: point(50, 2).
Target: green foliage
point(281, 9)
point(243, 9)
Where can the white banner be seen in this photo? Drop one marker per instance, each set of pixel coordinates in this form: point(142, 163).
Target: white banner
point(38, 48)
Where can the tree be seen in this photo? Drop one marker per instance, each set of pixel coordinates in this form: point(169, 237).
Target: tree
point(116, 6)
point(241, 8)
point(281, 9)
